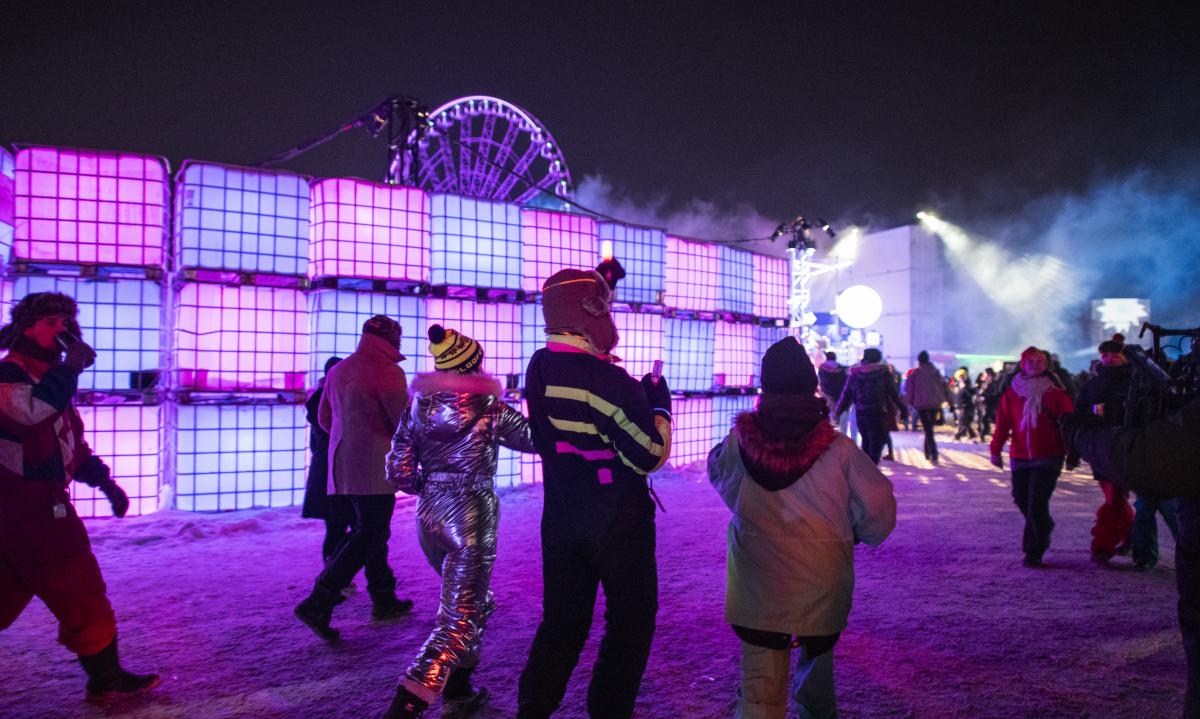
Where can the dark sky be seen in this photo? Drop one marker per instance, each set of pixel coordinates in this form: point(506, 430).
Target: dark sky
point(864, 110)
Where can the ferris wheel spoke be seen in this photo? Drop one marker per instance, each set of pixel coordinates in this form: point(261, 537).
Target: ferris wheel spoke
point(464, 156)
point(440, 165)
point(519, 171)
point(483, 155)
point(504, 153)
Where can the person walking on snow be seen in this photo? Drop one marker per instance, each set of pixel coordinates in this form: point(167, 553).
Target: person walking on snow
point(365, 396)
point(869, 390)
point(44, 547)
point(831, 377)
point(600, 433)
point(318, 503)
point(802, 496)
point(964, 401)
point(444, 451)
point(1028, 412)
point(926, 390)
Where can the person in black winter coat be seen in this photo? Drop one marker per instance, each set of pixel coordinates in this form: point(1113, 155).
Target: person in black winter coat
point(964, 404)
point(831, 378)
point(318, 504)
point(870, 388)
point(1162, 458)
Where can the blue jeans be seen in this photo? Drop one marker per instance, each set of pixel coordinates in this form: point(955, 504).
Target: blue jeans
point(1145, 526)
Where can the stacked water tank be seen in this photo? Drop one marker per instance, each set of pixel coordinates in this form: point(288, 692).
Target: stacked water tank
point(94, 225)
point(240, 337)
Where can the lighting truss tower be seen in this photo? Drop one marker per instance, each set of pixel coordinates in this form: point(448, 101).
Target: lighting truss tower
point(802, 269)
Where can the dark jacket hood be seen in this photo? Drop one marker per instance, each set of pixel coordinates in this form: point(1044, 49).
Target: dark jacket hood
point(775, 463)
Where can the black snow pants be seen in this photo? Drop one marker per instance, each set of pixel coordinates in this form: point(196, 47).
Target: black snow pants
point(573, 566)
point(1032, 487)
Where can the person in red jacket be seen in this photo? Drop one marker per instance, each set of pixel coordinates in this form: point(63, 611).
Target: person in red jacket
point(44, 547)
point(1029, 412)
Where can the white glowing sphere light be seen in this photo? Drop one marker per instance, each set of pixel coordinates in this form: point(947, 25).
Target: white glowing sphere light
point(859, 306)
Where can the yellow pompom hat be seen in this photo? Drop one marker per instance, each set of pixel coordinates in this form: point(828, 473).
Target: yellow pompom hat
point(454, 351)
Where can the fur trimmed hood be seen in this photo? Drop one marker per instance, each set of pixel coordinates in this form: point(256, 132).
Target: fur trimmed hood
point(431, 382)
point(776, 463)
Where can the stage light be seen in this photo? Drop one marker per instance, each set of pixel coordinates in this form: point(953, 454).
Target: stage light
point(859, 306)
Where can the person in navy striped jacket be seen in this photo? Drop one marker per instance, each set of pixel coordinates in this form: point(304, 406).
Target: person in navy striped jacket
point(600, 434)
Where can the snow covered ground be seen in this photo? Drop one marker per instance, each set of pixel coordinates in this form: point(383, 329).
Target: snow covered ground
point(946, 622)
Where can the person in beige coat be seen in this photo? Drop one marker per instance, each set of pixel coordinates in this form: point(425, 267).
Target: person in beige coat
point(365, 396)
point(802, 495)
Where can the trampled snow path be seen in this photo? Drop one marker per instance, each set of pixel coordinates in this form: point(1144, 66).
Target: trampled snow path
point(947, 623)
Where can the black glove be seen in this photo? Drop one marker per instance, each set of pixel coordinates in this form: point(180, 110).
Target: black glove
point(79, 356)
point(658, 394)
point(95, 473)
point(997, 461)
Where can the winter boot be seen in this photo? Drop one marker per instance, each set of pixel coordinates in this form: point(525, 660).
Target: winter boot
point(108, 681)
point(317, 610)
point(405, 705)
point(460, 699)
point(385, 607)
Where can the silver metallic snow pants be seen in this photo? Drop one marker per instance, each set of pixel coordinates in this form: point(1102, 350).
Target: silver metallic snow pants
point(457, 517)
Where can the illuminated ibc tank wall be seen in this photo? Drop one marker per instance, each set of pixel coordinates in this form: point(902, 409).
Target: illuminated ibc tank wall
point(197, 397)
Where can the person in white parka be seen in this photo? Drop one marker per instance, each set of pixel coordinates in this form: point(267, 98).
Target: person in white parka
point(802, 496)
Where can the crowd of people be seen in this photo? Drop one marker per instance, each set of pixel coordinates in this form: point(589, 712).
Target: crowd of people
point(801, 494)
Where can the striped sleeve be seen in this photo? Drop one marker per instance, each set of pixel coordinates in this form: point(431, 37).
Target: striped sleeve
point(25, 407)
point(631, 431)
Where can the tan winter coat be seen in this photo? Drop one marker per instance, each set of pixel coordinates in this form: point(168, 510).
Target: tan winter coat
point(790, 562)
point(365, 397)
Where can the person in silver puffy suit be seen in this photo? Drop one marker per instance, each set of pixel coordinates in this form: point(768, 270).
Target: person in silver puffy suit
point(444, 451)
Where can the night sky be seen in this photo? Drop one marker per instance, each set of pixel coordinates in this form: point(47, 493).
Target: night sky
point(868, 112)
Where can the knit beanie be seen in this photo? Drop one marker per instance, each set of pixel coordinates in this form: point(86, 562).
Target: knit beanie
point(787, 369)
point(453, 350)
point(579, 302)
point(36, 306)
point(385, 328)
point(1116, 345)
point(872, 354)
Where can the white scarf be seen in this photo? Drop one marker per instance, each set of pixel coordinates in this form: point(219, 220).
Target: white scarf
point(1031, 390)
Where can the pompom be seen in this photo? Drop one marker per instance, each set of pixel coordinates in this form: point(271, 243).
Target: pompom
point(437, 334)
point(1118, 337)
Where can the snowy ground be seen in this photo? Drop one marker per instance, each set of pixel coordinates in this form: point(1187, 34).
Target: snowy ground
point(946, 623)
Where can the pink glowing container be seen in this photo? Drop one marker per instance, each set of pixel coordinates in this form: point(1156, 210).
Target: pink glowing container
point(733, 355)
point(495, 326)
point(129, 439)
point(240, 338)
point(772, 286)
point(691, 275)
point(551, 241)
point(368, 230)
point(84, 206)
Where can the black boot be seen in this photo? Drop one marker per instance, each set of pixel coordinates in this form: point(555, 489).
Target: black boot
point(460, 699)
point(386, 606)
point(317, 610)
point(405, 705)
point(108, 681)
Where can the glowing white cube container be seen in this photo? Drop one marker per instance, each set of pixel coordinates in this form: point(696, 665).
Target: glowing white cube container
point(641, 341)
point(369, 230)
point(242, 219)
point(475, 243)
point(691, 275)
point(642, 252)
point(734, 361)
point(128, 437)
point(82, 206)
point(725, 407)
point(772, 286)
point(8, 201)
point(239, 456)
point(552, 241)
point(688, 349)
point(240, 338)
point(336, 318)
point(764, 337)
point(691, 434)
point(121, 319)
point(496, 326)
point(735, 280)
point(508, 462)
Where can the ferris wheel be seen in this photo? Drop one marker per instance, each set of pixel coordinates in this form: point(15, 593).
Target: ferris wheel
point(485, 147)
